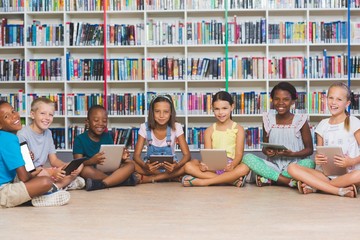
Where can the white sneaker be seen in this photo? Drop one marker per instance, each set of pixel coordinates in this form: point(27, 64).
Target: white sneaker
point(78, 183)
point(58, 198)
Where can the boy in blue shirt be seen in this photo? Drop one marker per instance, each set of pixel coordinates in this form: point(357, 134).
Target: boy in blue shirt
point(17, 186)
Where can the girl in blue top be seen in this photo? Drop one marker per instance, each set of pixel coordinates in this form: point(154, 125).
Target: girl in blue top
point(160, 133)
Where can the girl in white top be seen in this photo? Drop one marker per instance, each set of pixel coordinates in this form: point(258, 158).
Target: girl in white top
point(338, 130)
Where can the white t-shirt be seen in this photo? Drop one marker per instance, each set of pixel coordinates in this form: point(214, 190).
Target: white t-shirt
point(336, 135)
point(162, 142)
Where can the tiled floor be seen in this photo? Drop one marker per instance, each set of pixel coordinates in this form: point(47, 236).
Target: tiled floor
point(169, 211)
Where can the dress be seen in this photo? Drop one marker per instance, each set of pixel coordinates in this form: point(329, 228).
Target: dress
point(287, 135)
point(337, 135)
point(225, 140)
point(41, 145)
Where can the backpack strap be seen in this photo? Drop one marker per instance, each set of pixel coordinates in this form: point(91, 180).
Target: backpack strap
point(168, 135)
point(148, 134)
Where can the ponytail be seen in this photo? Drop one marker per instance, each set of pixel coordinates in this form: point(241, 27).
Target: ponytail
point(347, 121)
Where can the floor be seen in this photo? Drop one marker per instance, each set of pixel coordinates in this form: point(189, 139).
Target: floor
point(170, 211)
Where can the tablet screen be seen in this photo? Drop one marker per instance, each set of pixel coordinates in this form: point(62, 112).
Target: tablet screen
point(25, 152)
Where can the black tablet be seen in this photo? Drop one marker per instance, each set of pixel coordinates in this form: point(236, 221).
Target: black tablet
point(74, 164)
point(161, 158)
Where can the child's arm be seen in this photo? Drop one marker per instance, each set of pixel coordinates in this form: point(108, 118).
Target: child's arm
point(348, 161)
point(98, 158)
point(320, 159)
point(239, 149)
point(269, 152)
point(22, 174)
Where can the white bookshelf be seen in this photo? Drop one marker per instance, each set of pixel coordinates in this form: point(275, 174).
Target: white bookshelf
point(272, 11)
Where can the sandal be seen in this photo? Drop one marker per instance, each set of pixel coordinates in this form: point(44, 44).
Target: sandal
point(344, 191)
point(240, 179)
point(261, 181)
point(189, 179)
point(301, 188)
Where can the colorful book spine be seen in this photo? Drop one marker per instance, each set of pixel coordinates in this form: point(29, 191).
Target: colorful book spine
point(44, 69)
point(16, 100)
point(126, 104)
point(57, 98)
point(39, 34)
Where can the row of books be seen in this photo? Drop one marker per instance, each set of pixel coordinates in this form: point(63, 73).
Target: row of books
point(11, 6)
point(330, 66)
point(12, 70)
point(286, 67)
point(126, 69)
point(58, 135)
point(126, 5)
point(247, 32)
point(57, 98)
point(287, 32)
point(165, 32)
point(278, 4)
point(205, 32)
point(84, 34)
point(328, 32)
point(166, 68)
point(125, 34)
point(317, 102)
point(11, 32)
point(39, 34)
point(126, 104)
point(84, 5)
point(115, 5)
point(165, 4)
point(16, 100)
point(318, 66)
point(245, 103)
point(44, 69)
point(45, 5)
point(84, 69)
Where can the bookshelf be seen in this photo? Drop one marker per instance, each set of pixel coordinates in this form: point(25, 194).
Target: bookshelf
point(176, 47)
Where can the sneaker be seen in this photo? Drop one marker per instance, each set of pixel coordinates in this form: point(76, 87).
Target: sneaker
point(78, 183)
point(131, 181)
point(57, 198)
point(92, 184)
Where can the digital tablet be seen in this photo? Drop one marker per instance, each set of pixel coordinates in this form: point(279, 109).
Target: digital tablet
point(73, 165)
point(161, 158)
point(273, 146)
point(215, 159)
point(113, 156)
point(330, 169)
point(25, 152)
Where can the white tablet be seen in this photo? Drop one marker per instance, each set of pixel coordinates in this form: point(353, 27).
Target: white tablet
point(215, 159)
point(273, 146)
point(330, 169)
point(113, 156)
point(25, 152)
